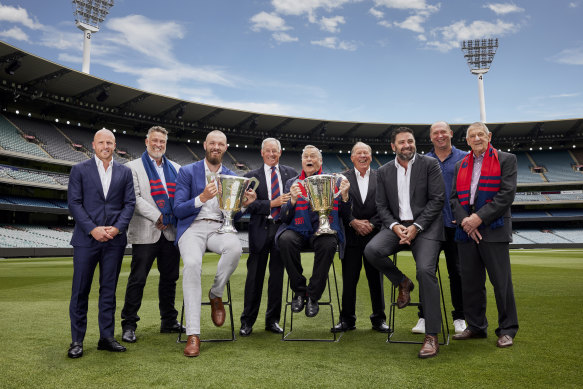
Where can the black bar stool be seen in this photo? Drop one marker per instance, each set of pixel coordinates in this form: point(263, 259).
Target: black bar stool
point(392, 312)
point(226, 303)
point(329, 303)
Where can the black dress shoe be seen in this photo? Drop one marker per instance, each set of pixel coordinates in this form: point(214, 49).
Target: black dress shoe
point(129, 335)
point(246, 330)
point(342, 326)
point(274, 327)
point(381, 327)
point(297, 303)
point(312, 307)
point(175, 327)
point(75, 350)
point(110, 344)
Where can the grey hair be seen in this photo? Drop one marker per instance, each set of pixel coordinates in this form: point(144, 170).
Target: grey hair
point(312, 147)
point(159, 129)
point(361, 144)
point(271, 140)
point(477, 125)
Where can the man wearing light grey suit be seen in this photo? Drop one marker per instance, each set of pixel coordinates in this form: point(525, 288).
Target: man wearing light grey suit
point(410, 195)
point(152, 232)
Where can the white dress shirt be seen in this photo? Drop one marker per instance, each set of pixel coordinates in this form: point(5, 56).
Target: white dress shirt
point(362, 183)
point(210, 209)
point(104, 175)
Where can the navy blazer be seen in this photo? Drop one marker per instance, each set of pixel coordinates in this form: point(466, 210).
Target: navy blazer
point(288, 212)
point(260, 209)
point(426, 196)
point(190, 182)
point(366, 210)
point(91, 209)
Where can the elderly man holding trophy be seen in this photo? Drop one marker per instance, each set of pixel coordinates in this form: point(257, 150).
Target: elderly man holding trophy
point(312, 218)
point(208, 195)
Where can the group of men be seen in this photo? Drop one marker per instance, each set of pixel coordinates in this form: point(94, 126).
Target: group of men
point(446, 200)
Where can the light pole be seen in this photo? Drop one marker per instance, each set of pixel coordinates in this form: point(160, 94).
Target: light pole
point(88, 15)
point(480, 53)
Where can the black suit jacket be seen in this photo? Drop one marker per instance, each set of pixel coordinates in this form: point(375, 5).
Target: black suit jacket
point(260, 209)
point(366, 210)
point(426, 196)
point(500, 205)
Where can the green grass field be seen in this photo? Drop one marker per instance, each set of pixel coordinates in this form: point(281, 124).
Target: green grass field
point(34, 337)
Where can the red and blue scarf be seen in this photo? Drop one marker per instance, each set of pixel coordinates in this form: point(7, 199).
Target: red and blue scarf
point(302, 222)
point(164, 200)
point(488, 186)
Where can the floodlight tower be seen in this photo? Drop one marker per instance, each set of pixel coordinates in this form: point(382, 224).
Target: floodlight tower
point(480, 53)
point(88, 15)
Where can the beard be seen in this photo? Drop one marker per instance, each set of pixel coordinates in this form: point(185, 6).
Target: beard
point(212, 159)
point(406, 155)
point(155, 153)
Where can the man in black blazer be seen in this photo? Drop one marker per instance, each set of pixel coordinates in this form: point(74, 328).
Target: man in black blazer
point(101, 199)
point(361, 225)
point(410, 196)
point(262, 228)
point(484, 232)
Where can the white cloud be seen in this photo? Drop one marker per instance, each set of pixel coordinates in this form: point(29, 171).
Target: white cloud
point(565, 95)
point(401, 4)
point(18, 15)
point(385, 23)
point(572, 56)
point(331, 24)
point(300, 7)
point(503, 8)
point(413, 23)
point(449, 37)
point(573, 4)
point(268, 21)
point(153, 38)
point(333, 43)
point(283, 37)
point(15, 33)
point(376, 13)
point(60, 40)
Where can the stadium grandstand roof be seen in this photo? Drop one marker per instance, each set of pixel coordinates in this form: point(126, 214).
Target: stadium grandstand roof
point(51, 91)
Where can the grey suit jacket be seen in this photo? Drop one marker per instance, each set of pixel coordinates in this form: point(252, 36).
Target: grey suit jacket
point(426, 196)
point(500, 205)
point(142, 228)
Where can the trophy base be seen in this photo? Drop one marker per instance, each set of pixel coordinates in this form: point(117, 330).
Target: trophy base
point(226, 230)
point(324, 231)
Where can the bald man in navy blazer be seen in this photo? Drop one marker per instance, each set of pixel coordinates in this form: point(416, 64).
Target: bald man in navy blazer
point(101, 200)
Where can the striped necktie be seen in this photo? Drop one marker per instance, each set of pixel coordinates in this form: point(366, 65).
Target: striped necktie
point(274, 193)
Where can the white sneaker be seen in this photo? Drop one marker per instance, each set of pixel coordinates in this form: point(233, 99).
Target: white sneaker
point(459, 325)
point(420, 327)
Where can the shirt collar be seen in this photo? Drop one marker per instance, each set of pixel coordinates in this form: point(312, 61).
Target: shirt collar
point(366, 174)
point(156, 163)
point(100, 162)
point(206, 168)
point(266, 167)
point(398, 165)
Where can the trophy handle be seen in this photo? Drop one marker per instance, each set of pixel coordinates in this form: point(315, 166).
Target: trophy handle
point(210, 177)
point(307, 198)
point(342, 177)
point(253, 183)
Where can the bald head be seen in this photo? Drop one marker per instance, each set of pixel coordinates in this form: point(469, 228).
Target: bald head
point(104, 145)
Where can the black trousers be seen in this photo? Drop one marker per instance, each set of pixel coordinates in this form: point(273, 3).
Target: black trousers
point(351, 267)
point(256, 266)
point(291, 244)
point(168, 260)
point(452, 260)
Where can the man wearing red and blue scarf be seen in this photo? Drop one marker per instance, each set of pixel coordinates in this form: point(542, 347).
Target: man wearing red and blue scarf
point(151, 232)
point(483, 190)
point(299, 223)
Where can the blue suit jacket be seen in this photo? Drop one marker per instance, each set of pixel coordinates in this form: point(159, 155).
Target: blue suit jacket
point(91, 209)
point(190, 183)
point(260, 209)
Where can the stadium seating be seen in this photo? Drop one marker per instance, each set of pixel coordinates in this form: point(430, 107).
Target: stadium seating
point(12, 140)
point(558, 165)
point(525, 175)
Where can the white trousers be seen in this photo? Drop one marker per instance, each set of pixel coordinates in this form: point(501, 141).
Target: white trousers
point(200, 236)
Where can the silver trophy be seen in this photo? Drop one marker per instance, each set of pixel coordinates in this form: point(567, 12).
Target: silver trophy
point(231, 196)
point(320, 190)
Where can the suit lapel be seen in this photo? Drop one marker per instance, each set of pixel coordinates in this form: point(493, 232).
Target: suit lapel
point(262, 189)
point(94, 174)
point(114, 177)
point(414, 174)
point(371, 184)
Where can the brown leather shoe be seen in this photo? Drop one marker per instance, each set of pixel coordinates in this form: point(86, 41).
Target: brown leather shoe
point(468, 334)
point(192, 348)
point(217, 310)
point(430, 347)
point(405, 288)
point(505, 341)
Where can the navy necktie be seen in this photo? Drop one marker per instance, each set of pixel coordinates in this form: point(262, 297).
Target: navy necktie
point(274, 192)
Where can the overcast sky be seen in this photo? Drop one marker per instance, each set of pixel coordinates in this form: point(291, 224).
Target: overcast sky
point(389, 61)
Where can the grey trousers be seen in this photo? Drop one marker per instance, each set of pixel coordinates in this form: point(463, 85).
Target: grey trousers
point(200, 236)
point(425, 253)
